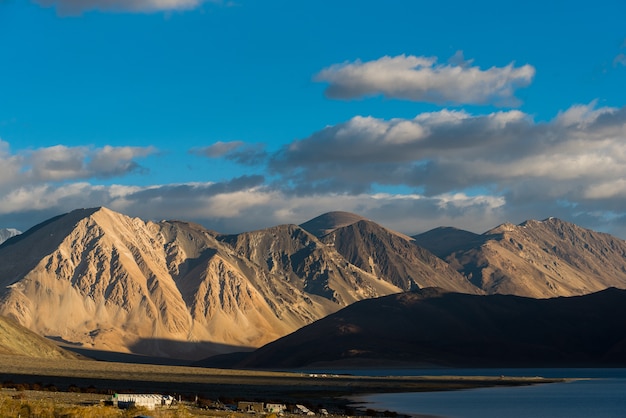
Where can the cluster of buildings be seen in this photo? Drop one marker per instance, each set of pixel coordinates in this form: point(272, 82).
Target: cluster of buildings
point(152, 401)
point(277, 408)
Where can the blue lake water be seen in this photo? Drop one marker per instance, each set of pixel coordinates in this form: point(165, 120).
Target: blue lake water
point(601, 394)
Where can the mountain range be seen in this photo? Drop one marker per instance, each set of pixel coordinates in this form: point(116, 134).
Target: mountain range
point(536, 258)
point(98, 279)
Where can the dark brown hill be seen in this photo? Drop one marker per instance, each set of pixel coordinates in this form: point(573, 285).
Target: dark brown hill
point(394, 258)
point(433, 327)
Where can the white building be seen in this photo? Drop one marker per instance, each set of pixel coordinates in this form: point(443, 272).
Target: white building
point(148, 401)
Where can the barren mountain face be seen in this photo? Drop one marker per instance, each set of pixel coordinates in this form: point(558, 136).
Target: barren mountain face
point(536, 258)
point(308, 264)
point(394, 258)
point(102, 280)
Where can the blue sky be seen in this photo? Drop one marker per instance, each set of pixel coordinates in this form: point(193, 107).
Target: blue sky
point(247, 114)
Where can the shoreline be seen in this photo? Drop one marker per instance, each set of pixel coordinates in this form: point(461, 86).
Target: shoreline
point(333, 391)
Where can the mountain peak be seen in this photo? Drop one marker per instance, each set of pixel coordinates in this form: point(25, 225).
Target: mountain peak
point(7, 233)
point(328, 222)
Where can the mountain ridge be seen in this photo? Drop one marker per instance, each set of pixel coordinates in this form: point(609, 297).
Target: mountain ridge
point(102, 280)
point(541, 259)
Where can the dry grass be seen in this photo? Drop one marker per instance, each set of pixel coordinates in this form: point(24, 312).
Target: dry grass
point(62, 405)
point(16, 405)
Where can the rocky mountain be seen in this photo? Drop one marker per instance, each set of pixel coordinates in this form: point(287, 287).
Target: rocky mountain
point(394, 257)
point(433, 327)
point(99, 279)
point(6, 233)
point(17, 340)
point(536, 258)
point(300, 259)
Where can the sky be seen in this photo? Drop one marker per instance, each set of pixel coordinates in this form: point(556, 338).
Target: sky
point(246, 114)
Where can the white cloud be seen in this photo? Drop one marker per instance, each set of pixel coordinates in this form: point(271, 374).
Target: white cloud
point(446, 168)
point(76, 7)
point(59, 163)
point(112, 161)
point(422, 79)
point(578, 157)
point(247, 208)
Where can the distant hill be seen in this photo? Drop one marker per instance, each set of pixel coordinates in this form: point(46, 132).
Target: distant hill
point(434, 327)
point(17, 340)
point(536, 258)
point(444, 241)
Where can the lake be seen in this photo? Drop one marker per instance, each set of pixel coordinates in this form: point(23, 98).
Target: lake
point(601, 394)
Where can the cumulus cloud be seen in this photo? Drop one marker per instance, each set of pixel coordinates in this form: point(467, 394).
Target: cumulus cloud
point(244, 205)
point(37, 184)
point(76, 7)
point(422, 79)
point(445, 168)
point(60, 163)
point(578, 157)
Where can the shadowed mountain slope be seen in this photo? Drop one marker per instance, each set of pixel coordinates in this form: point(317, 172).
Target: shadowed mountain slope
point(446, 240)
point(433, 327)
point(330, 221)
